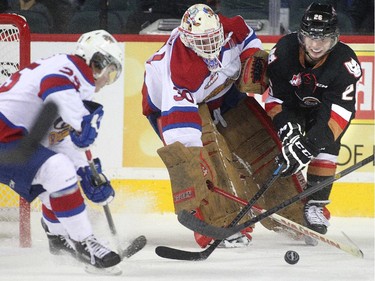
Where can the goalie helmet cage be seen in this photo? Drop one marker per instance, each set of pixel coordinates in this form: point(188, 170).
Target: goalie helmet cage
point(14, 55)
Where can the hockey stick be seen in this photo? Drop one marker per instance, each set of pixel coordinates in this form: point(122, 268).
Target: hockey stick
point(351, 249)
point(138, 243)
point(170, 253)
point(193, 223)
point(99, 181)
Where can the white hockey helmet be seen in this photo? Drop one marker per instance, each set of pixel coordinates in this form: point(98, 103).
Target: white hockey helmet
point(201, 30)
point(100, 48)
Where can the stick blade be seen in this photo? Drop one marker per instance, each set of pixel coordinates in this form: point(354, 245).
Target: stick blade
point(135, 246)
point(193, 223)
point(175, 254)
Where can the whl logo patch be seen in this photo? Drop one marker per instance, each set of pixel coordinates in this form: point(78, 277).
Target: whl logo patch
point(296, 80)
point(183, 195)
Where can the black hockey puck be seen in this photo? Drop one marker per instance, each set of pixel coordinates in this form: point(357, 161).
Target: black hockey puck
point(291, 257)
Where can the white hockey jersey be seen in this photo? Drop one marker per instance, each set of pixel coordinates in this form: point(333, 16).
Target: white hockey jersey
point(177, 80)
point(63, 79)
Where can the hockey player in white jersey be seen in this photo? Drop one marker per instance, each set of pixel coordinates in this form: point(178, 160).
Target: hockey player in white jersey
point(69, 81)
point(205, 68)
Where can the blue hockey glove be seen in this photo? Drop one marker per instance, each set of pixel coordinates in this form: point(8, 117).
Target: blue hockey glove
point(297, 154)
point(90, 125)
point(101, 193)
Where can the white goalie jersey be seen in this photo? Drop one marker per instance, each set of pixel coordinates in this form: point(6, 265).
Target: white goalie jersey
point(177, 80)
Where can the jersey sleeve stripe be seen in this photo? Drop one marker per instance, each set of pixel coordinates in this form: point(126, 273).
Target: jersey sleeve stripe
point(8, 131)
point(273, 106)
point(187, 109)
point(182, 125)
point(340, 115)
point(83, 68)
point(181, 117)
point(54, 83)
point(148, 106)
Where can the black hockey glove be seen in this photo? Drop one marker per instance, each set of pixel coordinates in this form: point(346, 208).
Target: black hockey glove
point(297, 154)
point(288, 131)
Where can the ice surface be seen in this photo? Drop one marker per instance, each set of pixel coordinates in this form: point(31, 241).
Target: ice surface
point(261, 261)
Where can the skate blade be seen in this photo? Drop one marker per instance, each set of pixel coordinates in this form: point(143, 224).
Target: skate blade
point(112, 271)
point(310, 241)
point(289, 233)
point(229, 245)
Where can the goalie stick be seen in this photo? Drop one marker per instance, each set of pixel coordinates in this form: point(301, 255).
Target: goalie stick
point(138, 243)
point(296, 227)
point(170, 253)
point(193, 223)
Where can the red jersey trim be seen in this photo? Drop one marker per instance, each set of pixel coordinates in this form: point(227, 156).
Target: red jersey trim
point(9, 133)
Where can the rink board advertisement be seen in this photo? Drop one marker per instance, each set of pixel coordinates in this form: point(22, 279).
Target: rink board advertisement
point(127, 144)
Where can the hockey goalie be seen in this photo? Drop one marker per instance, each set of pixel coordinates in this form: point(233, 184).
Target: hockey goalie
point(214, 134)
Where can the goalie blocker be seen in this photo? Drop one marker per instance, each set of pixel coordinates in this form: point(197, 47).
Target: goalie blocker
point(239, 158)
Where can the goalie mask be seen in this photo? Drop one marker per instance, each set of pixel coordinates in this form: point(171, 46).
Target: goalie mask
point(201, 31)
point(100, 49)
point(319, 24)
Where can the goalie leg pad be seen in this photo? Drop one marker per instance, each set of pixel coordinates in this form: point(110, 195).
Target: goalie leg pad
point(234, 174)
point(252, 139)
point(188, 169)
point(191, 167)
point(222, 211)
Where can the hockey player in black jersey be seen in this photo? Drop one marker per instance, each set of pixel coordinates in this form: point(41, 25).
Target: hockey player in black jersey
point(312, 99)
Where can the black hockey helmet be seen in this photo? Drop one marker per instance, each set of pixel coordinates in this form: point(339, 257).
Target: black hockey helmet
point(319, 21)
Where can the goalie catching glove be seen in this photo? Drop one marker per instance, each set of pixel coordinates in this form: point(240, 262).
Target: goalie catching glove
point(253, 78)
point(98, 192)
point(297, 154)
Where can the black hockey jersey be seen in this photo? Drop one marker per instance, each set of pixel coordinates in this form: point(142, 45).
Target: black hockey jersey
point(322, 95)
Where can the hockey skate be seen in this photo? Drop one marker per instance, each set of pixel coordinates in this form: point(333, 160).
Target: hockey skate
point(315, 219)
point(59, 244)
point(90, 251)
point(239, 240)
